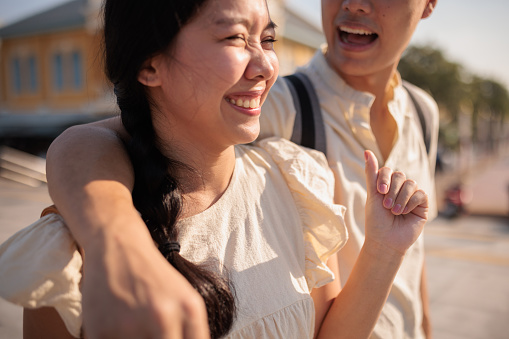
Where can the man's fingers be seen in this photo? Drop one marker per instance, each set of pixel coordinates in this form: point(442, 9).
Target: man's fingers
point(187, 323)
point(196, 330)
point(196, 325)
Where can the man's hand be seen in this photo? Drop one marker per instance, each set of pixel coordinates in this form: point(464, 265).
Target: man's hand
point(131, 291)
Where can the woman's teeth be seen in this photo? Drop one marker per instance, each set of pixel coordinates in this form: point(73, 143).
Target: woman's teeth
point(247, 103)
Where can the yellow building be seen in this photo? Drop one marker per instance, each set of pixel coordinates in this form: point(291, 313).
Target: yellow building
point(298, 36)
point(51, 73)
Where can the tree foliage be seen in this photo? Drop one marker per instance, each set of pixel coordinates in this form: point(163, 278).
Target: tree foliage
point(458, 92)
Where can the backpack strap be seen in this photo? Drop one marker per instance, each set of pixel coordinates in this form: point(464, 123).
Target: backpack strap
point(423, 115)
point(308, 128)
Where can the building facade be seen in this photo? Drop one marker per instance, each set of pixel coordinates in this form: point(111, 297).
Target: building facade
point(51, 73)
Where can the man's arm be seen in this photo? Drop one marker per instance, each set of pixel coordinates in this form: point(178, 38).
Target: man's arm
point(44, 322)
point(426, 321)
point(84, 164)
point(426, 316)
point(125, 285)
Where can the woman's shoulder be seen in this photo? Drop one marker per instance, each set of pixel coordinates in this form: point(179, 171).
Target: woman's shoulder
point(311, 182)
point(284, 150)
point(297, 164)
point(280, 149)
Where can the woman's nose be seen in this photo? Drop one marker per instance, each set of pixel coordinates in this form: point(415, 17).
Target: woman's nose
point(262, 65)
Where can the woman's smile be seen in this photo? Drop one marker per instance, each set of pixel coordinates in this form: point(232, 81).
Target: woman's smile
point(246, 102)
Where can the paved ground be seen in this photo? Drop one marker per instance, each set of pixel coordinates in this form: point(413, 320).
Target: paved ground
point(468, 277)
point(468, 263)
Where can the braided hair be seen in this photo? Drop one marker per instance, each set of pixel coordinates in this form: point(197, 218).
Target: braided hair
point(134, 31)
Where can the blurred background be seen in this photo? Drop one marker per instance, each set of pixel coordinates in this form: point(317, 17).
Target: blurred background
point(51, 78)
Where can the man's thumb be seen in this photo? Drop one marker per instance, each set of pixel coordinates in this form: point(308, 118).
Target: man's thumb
point(371, 170)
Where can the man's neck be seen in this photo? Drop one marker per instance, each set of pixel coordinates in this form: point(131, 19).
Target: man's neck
point(383, 125)
point(380, 85)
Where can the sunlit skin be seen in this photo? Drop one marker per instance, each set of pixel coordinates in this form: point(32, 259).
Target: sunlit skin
point(223, 55)
point(219, 58)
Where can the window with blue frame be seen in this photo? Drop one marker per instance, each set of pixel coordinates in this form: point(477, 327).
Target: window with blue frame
point(16, 75)
point(33, 79)
point(68, 71)
point(58, 72)
point(24, 75)
point(77, 70)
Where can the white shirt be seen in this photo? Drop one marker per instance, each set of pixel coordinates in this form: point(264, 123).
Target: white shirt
point(346, 115)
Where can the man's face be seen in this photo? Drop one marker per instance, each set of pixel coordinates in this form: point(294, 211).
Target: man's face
point(366, 37)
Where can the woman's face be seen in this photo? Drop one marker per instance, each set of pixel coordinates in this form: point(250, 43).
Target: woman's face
point(221, 68)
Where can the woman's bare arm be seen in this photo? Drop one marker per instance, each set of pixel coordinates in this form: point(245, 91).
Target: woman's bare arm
point(389, 233)
point(125, 286)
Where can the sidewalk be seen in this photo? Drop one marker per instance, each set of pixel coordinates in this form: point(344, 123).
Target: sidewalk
point(468, 277)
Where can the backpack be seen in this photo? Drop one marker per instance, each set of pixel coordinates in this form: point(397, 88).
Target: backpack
point(309, 128)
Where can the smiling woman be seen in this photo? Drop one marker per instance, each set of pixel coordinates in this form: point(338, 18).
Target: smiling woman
point(237, 45)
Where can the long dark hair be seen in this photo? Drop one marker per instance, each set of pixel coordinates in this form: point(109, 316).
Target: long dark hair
point(134, 31)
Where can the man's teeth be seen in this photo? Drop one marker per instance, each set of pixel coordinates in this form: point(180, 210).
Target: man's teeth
point(355, 31)
point(247, 103)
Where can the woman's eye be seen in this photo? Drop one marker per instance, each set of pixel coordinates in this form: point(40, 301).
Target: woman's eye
point(236, 37)
point(268, 42)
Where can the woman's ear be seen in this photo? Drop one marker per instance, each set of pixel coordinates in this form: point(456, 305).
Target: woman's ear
point(150, 73)
point(430, 6)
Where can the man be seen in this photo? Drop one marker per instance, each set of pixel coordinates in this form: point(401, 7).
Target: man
point(364, 106)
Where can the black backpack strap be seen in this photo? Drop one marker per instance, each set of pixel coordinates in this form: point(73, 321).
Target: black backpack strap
point(308, 128)
point(423, 114)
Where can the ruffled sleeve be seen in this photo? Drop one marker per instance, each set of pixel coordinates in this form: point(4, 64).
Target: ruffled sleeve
point(312, 185)
point(41, 266)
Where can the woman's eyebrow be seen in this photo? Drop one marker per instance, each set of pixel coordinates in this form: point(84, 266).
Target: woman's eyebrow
point(231, 21)
point(271, 25)
point(242, 21)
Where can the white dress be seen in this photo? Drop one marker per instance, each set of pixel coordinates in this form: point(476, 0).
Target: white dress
point(272, 230)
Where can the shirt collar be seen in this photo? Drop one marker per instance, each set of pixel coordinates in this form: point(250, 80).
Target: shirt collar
point(320, 68)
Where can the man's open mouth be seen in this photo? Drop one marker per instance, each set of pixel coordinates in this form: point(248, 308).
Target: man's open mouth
point(356, 36)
